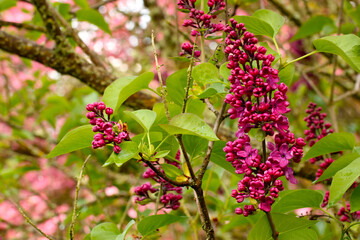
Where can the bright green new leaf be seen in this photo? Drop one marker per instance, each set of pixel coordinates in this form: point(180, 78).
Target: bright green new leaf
point(144, 117)
point(194, 145)
point(82, 3)
point(334, 142)
point(313, 25)
point(77, 138)
point(171, 171)
point(209, 92)
point(346, 46)
point(286, 74)
point(94, 17)
point(126, 230)
point(339, 164)
point(285, 224)
point(256, 25)
point(128, 151)
point(191, 124)
point(205, 73)
point(117, 92)
point(162, 153)
point(274, 19)
point(294, 199)
point(342, 180)
point(151, 223)
point(105, 231)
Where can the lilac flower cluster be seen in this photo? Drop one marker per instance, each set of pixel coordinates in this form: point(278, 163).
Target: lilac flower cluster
point(260, 103)
point(346, 215)
point(317, 130)
point(168, 199)
point(109, 132)
point(200, 21)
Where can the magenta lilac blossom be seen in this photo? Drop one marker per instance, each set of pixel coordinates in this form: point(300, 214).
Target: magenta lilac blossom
point(259, 102)
point(108, 132)
point(171, 195)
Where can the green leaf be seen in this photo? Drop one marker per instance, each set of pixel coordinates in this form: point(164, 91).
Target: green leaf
point(286, 74)
point(175, 85)
point(285, 224)
point(82, 3)
point(144, 117)
point(105, 231)
point(205, 73)
point(301, 234)
point(313, 25)
point(342, 180)
point(195, 106)
point(337, 165)
point(209, 92)
point(256, 25)
point(171, 171)
point(334, 142)
point(151, 223)
point(128, 151)
point(218, 55)
point(194, 145)
point(218, 157)
point(94, 17)
point(224, 71)
point(162, 153)
point(6, 4)
point(294, 199)
point(126, 230)
point(77, 138)
point(117, 92)
point(346, 46)
point(190, 124)
point(274, 19)
point(355, 199)
point(180, 59)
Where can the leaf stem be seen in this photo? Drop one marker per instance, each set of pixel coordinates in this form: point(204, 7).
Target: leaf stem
point(162, 89)
point(295, 60)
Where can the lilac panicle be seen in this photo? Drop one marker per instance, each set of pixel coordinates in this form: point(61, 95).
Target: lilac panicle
point(200, 22)
point(259, 101)
point(168, 199)
point(108, 132)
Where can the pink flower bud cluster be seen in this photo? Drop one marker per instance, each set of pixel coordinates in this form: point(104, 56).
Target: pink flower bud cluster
point(188, 49)
point(168, 199)
point(317, 130)
point(200, 21)
point(109, 132)
point(346, 215)
point(259, 102)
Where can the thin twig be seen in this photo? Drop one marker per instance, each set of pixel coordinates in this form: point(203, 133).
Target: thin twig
point(211, 107)
point(27, 218)
point(162, 89)
point(23, 25)
point(189, 72)
point(318, 92)
point(95, 58)
point(352, 92)
point(74, 215)
point(163, 176)
point(211, 144)
point(158, 198)
point(332, 80)
point(186, 156)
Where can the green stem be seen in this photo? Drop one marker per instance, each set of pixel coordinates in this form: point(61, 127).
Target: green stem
point(302, 57)
point(161, 142)
point(202, 48)
point(277, 47)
